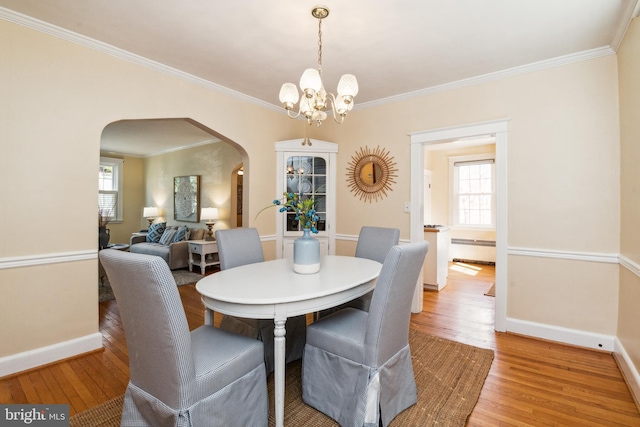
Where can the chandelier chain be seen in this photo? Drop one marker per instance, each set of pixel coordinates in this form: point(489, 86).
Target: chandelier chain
point(320, 46)
point(315, 99)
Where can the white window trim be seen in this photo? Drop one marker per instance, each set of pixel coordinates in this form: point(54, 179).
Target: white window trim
point(117, 165)
point(453, 211)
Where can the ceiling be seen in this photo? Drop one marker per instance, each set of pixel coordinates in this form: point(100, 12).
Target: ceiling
point(396, 49)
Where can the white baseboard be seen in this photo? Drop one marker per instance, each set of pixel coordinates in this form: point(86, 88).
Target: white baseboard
point(562, 335)
point(41, 356)
point(629, 371)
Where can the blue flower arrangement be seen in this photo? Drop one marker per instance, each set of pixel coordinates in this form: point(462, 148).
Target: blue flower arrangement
point(304, 209)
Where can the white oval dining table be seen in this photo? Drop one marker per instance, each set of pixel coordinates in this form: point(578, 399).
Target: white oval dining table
point(272, 290)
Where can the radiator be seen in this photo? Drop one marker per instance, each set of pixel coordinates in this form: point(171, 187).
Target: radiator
point(473, 251)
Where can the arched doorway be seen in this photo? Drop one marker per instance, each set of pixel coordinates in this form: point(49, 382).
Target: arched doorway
point(157, 150)
point(237, 189)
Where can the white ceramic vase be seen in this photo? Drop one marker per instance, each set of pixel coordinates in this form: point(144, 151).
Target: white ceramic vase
point(306, 254)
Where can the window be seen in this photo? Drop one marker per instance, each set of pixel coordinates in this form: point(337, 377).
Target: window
point(110, 187)
point(307, 176)
point(473, 191)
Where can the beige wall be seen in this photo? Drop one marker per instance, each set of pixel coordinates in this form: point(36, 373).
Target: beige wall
point(57, 98)
point(563, 174)
point(213, 162)
point(629, 72)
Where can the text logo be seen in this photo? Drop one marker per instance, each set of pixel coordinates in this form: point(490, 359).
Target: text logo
point(34, 415)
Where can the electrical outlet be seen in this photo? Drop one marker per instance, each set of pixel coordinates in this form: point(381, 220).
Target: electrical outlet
point(407, 207)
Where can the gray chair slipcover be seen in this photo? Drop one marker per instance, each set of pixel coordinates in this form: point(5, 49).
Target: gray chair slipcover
point(373, 243)
point(240, 246)
point(357, 365)
point(207, 377)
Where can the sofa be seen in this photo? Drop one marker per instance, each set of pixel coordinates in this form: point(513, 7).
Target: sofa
point(167, 242)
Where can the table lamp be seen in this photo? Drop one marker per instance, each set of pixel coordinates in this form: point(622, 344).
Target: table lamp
point(150, 212)
point(209, 214)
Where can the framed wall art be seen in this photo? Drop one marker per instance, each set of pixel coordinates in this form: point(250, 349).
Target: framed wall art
point(186, 198)
point(370, 173)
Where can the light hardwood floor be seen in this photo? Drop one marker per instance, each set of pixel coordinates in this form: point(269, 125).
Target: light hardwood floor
point(531, 382)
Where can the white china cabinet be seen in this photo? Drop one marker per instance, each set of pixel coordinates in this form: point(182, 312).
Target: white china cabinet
point(309, 170)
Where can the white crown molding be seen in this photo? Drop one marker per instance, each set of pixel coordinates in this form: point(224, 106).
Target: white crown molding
point(631, 11)
point(56, 31)
point(118, 153)
point(53, 30)
point(43, 259)
point(171, 150)
point(510, 72)
point(185, 147)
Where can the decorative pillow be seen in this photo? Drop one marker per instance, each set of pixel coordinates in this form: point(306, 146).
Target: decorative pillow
point(167, 236)
point(181, 234)
point(155, 232)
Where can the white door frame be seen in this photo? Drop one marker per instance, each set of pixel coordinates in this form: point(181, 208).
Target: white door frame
point(498, 128)
point(427, 195)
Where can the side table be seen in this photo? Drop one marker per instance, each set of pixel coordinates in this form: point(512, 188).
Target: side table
point(201, 252)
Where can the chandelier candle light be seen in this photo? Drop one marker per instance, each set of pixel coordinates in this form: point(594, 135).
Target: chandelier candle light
point(315, 98)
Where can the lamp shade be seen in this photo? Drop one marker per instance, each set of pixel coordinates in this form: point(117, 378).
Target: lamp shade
point(150, 211)
point(310, 80)
point(209, 214)
point(289, 94)
point(306, 106)
point(342, 107)
point(348, 85)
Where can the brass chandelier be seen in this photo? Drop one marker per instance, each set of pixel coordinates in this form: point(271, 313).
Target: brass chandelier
point(315, 98)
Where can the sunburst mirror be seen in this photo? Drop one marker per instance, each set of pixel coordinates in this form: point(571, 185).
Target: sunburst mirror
point(371, 173)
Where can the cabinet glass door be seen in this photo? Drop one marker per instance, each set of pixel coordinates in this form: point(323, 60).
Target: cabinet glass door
point(307, 176)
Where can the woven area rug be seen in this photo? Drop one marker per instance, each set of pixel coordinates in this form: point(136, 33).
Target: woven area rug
point(182, 277)
point(449, 375)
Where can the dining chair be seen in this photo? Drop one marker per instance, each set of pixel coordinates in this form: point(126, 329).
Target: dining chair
point(357, 365)
point(241, 246)
point(373, 243)
point(179, 378)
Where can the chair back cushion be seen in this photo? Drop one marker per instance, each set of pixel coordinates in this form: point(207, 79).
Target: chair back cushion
point(155, 325)
point(238, 246)
point(390, 310)
point(376, 242)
